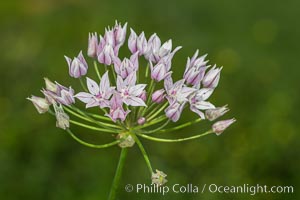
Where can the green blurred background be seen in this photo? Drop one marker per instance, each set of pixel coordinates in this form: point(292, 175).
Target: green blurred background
point(256, 41)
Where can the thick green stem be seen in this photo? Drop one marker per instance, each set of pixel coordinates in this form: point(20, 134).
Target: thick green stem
point(174, 140)
point(118, 174)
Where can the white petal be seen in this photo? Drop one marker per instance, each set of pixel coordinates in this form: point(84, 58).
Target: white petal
point(137, 89)
point(92, 86)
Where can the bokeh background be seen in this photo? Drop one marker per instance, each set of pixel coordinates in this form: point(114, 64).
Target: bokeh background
point(256, 41)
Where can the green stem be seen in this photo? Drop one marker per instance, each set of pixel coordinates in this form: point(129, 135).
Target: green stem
point(157, 112)
point(92, 145)
point(180, 126)
point(93, 127)
point(174, 140)
point(141, 147)
point(154, 110)
point(157, 129)
point(97, 116)
point(153, 122)
point(149, 108)
point(83, 85)
point(118, 174)
point(147, 71)
point(83, 116)
point(97, 70)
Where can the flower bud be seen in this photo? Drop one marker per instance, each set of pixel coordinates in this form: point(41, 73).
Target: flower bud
point(78, 66)
point(120, 33)
point(107, 55)
point(213, 114)
point(50, 85)
point(143, 96)
point(132, 42)
point(212, 77)
point(93, 45)
point(62, 95)
point(141, 120)
point(165, 49)
point(62, 119)
point(141, 44)
point(174, 111)
point(220, 126)
point(41, 104)
point(158, 96)
point(159, 178)
point(153, 47)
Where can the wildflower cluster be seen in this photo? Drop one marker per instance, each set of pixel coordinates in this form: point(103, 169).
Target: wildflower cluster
point(132, 104)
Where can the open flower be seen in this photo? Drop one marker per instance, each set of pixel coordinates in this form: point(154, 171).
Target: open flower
point(78, 66)
point(198, 101)
point(99, 94)
point(177, 91)
point(129, 92)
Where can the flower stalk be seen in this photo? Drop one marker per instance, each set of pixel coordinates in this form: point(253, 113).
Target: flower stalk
point(118, 174)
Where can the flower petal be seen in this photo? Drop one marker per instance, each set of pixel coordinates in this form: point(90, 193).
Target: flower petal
point(92, 86)
point(134, 101)
point(137, 90)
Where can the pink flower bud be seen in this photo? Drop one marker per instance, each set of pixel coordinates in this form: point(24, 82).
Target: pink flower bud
point(141, 121)
point(78, 66)
point(158, 96)
point(143, 96)
point(93, 45)
point(132, 42)
point(174, 111)
point(141, 44)
point(212, 77)
point(220, 126)
point(107, 55)
point(120, 33)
